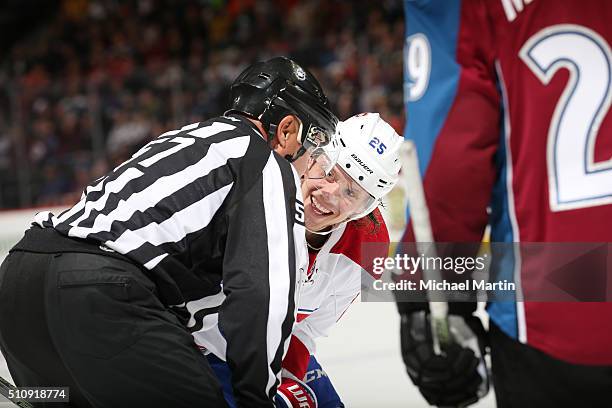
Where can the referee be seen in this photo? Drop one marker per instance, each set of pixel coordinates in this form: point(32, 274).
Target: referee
point(201, 230)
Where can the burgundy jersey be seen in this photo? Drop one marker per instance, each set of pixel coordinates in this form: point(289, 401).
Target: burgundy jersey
point(508, 103)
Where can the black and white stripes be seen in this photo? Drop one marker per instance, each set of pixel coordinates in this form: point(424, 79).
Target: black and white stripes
point(139, 212)
point(210, 212)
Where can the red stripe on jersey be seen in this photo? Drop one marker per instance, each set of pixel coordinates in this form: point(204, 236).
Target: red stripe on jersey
point(296, 360)
point(360, 232)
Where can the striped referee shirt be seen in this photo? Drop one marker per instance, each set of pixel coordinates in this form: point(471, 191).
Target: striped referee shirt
point(217, 219)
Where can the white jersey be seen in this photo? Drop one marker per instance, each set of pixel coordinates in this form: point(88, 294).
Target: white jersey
point(334, 282)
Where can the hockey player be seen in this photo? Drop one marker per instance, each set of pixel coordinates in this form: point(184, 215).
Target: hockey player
point(508, 103)
point(341, 215)
point(103, 297)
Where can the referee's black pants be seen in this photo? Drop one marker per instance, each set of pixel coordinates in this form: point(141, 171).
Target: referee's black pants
point(525, 377)
point(93, 323)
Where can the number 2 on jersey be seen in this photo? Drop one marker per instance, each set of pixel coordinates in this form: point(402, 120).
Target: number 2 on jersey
point(575, 180)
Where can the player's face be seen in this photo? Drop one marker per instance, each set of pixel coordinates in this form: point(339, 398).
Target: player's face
point(330, 197)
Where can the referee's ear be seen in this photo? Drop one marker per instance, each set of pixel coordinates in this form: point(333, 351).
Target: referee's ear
point(286, 142)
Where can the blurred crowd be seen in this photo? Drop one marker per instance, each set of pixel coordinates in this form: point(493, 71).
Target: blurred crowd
point(101, 78)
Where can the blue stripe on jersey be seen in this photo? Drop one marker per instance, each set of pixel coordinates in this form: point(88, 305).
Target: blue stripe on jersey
point(438, 21)
point(502, 265)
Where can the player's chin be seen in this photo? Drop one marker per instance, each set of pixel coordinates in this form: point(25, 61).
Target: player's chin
point(316, 221)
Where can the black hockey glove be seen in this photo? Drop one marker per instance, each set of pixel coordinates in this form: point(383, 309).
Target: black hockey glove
point(456, 378)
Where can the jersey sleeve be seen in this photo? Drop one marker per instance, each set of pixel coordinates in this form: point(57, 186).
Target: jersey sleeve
point(453, 115)
point(454, 119)
point(321, 321)
point(265, 248)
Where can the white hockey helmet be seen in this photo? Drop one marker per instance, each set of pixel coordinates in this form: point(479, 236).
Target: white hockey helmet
point(367, 149)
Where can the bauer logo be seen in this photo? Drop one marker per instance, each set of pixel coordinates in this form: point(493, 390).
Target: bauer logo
point(361, 163)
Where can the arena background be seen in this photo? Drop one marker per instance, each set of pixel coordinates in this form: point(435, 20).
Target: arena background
point(83, 84)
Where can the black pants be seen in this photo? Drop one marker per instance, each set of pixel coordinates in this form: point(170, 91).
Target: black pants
point(525, 377)
point(94, 324)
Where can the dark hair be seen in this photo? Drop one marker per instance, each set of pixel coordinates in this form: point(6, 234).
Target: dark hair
point(370, 219)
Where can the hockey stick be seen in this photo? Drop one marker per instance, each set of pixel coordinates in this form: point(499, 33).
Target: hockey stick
point(421, 225)
point(6, 387)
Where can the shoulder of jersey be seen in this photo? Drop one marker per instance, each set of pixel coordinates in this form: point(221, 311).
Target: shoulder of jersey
point(242, 125)
point(362, 231)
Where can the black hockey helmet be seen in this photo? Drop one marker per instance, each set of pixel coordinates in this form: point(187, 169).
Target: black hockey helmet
point(270, 90)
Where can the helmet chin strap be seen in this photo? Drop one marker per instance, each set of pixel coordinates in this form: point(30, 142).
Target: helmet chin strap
point(320, 232)
point(290, 158)
point(296, 156)
point(333, 228)
point(302, 149)
point(272, 136)
point(271, 133)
